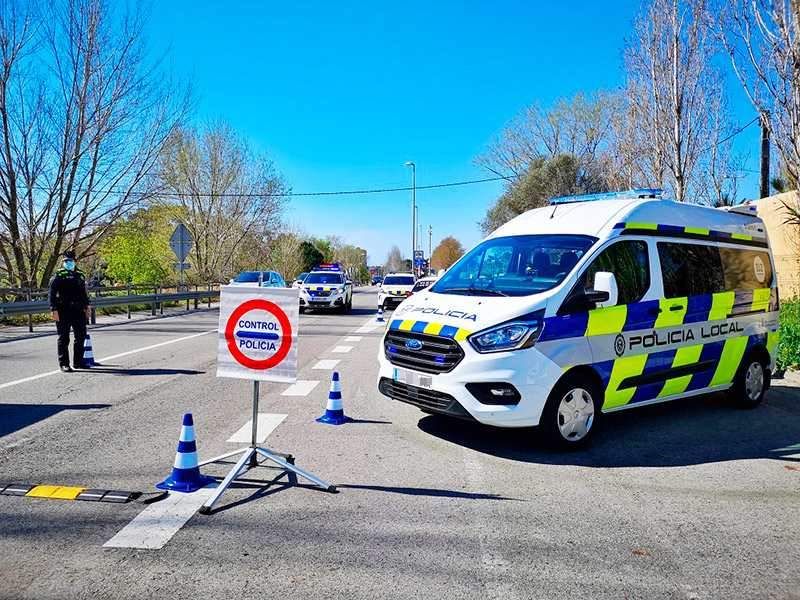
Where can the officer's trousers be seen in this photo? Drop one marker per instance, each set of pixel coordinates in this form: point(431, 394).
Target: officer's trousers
point(71, 317)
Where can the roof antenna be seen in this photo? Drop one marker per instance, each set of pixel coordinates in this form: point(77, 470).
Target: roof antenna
point(555, 206)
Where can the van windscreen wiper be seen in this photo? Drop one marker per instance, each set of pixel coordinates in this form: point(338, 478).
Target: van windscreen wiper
point(476, 291)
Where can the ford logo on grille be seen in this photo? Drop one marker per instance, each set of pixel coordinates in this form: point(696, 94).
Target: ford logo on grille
point(413, 344)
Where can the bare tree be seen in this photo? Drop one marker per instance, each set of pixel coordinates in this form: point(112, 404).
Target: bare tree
point(761, 39)
point(84, 113)
point(230, 198)
point(283, 254)
point(394, 260)
point(668, 98)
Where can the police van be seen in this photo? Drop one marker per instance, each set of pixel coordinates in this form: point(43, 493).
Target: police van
point(326, 287)
point(591, 305)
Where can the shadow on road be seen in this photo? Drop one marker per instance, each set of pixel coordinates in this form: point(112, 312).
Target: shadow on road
point(14, 417)
point(412, 491)
point(110, 370)
point(703, 429)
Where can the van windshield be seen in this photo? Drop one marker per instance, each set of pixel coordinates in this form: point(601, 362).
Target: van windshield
point(518, 265)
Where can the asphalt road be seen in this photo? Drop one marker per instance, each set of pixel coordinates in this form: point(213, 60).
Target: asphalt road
point(690, 499)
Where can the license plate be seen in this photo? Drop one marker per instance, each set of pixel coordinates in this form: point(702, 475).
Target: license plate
point(411, 378)
point(319, 300)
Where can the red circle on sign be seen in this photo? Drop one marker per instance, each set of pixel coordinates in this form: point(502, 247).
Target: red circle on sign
point(286, 338)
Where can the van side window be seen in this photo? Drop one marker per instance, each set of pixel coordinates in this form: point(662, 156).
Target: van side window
point(628, 262)
point(690, 269)
point(745, 269)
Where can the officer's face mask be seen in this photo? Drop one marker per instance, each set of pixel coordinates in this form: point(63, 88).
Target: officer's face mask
point(70, 264)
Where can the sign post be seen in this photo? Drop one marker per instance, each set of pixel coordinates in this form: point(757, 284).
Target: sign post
point(258, 341)
point(181, 244)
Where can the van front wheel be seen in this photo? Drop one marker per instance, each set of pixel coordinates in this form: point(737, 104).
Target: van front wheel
point(750, 382)
point(571, 414)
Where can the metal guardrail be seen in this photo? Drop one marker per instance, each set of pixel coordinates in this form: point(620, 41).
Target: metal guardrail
point(120, 296)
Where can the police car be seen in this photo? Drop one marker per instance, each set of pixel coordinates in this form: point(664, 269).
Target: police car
point(326, 287)
point(591, 305)
point(395, 288)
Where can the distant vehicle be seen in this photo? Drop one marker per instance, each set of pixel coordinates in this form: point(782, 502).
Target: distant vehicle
point(423, 283)
point(395, 288)
point(326, 287)
point(376, 280)
point(300, 279)
point(267, 278)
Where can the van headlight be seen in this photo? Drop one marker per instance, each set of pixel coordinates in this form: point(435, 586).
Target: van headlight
point(514, 335)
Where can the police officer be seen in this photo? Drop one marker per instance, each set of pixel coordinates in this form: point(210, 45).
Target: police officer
point(70, 307)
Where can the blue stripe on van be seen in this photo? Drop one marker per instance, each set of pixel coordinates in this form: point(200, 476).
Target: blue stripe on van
point(639, 317)
point(697, 309)
point(711, 351)
point(658, 361)
point(565, 327)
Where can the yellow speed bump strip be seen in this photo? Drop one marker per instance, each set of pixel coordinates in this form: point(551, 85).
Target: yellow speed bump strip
point(65, 493)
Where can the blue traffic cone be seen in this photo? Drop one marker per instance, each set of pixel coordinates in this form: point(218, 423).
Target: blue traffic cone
point(380, 315)
point(88, 353)
point(334, 414)
point(186, 475)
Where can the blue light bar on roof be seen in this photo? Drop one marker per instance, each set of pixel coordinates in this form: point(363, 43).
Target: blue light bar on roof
point(624, 195)
point(328, 267)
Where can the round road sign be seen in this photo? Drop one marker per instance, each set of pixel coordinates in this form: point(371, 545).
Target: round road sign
point(262, 331)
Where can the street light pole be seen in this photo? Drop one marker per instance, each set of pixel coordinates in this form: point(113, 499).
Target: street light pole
point(430, 252)
point(413, 210)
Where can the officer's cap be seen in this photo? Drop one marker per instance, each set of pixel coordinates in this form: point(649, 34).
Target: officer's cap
point(69, 255)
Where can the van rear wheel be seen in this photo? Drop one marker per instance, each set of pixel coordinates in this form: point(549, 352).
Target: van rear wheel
point(570, 416)
point(750, 382)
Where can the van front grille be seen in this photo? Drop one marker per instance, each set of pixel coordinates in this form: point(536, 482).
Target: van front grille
point(436, 355)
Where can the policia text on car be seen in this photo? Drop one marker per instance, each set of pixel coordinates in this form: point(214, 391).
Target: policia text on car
point(70, 307)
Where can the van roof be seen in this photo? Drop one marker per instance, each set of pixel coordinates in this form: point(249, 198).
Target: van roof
point(607, 218)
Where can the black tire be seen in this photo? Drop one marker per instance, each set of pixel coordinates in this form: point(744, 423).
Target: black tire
point(302, 309)
point(349, 306)
point(587, 412)
point(750, 382)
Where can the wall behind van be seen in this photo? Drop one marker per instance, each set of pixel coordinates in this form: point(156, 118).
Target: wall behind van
point(785, 241)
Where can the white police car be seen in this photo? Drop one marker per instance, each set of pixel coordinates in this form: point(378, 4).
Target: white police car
point(395, 288)
point(591, 305)
point(326, 287)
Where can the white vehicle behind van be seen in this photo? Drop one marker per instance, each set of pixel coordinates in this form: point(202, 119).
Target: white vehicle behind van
point(591, 305)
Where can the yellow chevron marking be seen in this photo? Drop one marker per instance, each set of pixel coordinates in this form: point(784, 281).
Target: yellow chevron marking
point(669, 318)
point(607, 320)
point(732, 353)
point(641, 226)
point(433, 328)
point(772, 339)
point(741, 236)
point(721, 305)
point(462, 334)
point(761, 299)
point(623, 368)
point(406, 325)
point(684, 356)
point(697, 231)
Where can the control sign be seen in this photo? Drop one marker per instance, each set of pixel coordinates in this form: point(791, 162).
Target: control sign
point(258, 333)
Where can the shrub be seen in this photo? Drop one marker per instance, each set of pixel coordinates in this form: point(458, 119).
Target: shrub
point(789, 340)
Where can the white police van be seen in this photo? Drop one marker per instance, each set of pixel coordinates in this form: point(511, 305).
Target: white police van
point(326, 287)
point(395, 288)
point(593, 304)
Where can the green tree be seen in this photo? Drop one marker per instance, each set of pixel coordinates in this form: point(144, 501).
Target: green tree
point(561, 175)
point(138, 251)
point(311, 255)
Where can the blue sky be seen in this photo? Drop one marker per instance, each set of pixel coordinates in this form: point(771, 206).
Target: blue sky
point(342, 94)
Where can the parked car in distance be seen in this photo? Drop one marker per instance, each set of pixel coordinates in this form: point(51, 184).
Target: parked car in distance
point(267, 278)
point(423, 283)
point(376, 280)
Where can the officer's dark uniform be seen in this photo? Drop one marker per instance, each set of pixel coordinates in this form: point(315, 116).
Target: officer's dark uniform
point(69, 298)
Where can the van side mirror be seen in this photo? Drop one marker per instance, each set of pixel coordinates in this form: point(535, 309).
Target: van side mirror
point(605, 283)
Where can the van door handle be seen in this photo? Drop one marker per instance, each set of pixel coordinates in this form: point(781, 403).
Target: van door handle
point(653, 311)
point(676, 307)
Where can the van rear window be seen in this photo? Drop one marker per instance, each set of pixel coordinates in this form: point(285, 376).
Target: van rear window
point(746, 269)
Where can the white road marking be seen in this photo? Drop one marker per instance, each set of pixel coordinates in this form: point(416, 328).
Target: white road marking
point(366, 328)
point(267, 423)
point(157, 523)
point(327, 364)
point(353, 338)
point(100, 360)
point(301, 388)
point(342, 349)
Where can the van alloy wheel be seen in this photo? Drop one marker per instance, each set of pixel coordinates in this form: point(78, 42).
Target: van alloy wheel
point(575, 414)
point(754, 381)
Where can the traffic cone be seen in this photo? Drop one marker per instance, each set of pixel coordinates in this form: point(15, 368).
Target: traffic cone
point(186, 475)
point(334, 413)
point(88, 353)
point(380, 315)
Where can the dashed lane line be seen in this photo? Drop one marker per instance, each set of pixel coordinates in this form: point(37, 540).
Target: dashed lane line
point(353, 338)
point(266, 424)
point(327, 364)
point(301, 388)
point(107, 358)
point(342, 349)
